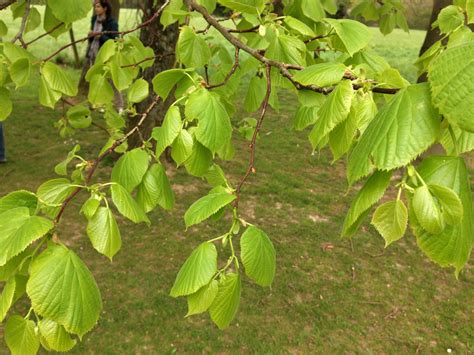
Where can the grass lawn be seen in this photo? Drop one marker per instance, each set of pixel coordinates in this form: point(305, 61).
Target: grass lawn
point(328, 296)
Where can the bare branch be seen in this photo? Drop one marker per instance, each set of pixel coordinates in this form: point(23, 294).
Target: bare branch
point(5, 3)
point(229, 74)
point(19, 35)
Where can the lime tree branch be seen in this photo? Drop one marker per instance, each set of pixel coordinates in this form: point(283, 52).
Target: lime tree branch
point(5, 3)
point(95, 163)
point(253, 142)
point(120, 33)
point(44, 34)
point(282, 67)
point(19, 35)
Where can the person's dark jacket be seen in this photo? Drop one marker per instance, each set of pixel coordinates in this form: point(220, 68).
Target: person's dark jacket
point(110, 24)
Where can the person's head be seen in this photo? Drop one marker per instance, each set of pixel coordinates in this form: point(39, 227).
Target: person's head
point(102, 8)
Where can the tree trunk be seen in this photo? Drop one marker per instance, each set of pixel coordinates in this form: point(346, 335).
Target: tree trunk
point(163, 41)
point(278, 7)
point(432, 34)
point(115, 9)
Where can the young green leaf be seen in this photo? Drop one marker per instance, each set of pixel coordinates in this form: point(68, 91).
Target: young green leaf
point(21, 337)
point(450, 203)
point(79, 116)
point(100, 91)
point(130, 168)
point(6, 299)
point(6, 105)
point(199, 161)
point(69, 10)
point(427, 210)
point(104, 233)
point(390, 219)
point(214, 129)
point(352, 36)
point(165, 81)
point(332, 112)
point(450, 18)
point(405, 127)
point(287, 49)
point(47, 96)
point(62, 289)
point(201, 300)
point(167, 133)
point(206, 206)
point(126, 205)
point(322, 74)
point(182, 147)
point(227, 300)
point(52, 193)
point(453, 102)
point(20, 71)
point(90, 207)
point(58, 79)
point(197, 270)
point(138, 92)
point(453, 246)
point(258, 256)
point(18, 230)
point(191, 49)
point(55, 336)
point(370, 194)
point(21, 198)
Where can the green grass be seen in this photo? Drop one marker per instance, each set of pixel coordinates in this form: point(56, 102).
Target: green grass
point(326, 298)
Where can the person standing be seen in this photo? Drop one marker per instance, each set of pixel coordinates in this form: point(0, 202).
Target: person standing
point(3, 158)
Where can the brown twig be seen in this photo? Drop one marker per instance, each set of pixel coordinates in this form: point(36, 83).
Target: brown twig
point(252, 145)
point(45, 34)
point(158, 56)
point(94, 164)
point(229, 74)
point(121, 33)
point(24, 20)
point(5, 3)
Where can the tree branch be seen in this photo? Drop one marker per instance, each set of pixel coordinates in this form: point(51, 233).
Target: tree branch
point(229, 74)
point(94, 164)
point(5, 3)
point(19, 35)
point(253, 142)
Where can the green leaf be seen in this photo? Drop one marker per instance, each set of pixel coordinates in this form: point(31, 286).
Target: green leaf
point(470, 11)
point(390, 220)
point(254, 7)
point(155, 189)
point(52, 194)
point(464, 141)
point(62, 289)
point(130, 168)
point(210, 5)
point(51, 22)
point(61, 168)
point(6, 105)
point(200, 301)
point(451, 87)
point(69, 11)
point(287, 49)
point(79, 116)
point(322, 74)
point(255, 94)
point(21, 198)
point(3, 29)
point(21, 337)
point(305, 116)
point(191, 49)
point(10, 269)
point(6, 299)
point(214, 129)
point(127, 206)
point(258, 256)
point(138, 92)
point(453, 246)
point(34, 19)
point(164, 82)
point(121, 77)
point(299, 26)
point(427, 210)
point(55, 336)
point(206, 206)
point(199, 161)
point(352, 35)
point(18, 230)
point(167, 133)
point(104, 233)
point(58, 79)
point(404, 128)
point(369, 195)
point(226, 303)
point(89, 207)
point(197, 270)
point(334, 110)
point(47, 96)
point(20, 71)
point(450, 203)
point(100, 91)
point(313, 9)
point(387, 23)
point(182, 147)
point(450, 18)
